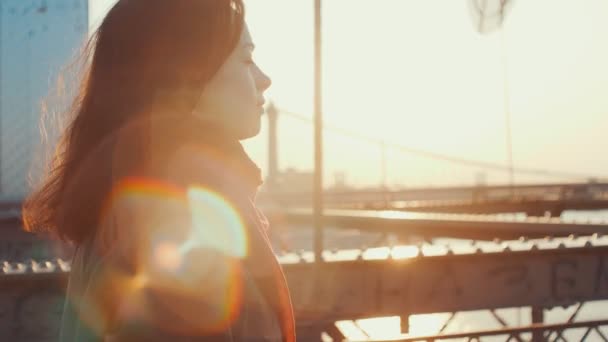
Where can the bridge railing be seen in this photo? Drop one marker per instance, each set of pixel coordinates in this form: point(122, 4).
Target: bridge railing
point(379, 282)
point(538, 332)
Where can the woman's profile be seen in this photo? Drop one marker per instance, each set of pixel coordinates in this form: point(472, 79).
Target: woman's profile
point(151, 185)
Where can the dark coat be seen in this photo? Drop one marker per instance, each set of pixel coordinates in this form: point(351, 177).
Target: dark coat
point(232, 289)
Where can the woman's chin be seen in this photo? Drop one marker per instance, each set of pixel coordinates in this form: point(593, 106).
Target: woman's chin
point(250, 131)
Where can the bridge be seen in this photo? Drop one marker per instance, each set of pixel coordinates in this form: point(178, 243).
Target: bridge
point(538, 262)
point(430, 225)
point(381, 281)
point(532, 199)
point(550, 268)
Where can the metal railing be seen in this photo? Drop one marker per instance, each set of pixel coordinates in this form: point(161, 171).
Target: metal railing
point(540, 332)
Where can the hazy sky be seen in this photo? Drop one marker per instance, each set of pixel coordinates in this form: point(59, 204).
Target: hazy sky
point(416, 73)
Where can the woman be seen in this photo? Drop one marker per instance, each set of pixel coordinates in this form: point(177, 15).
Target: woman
point(153, 187)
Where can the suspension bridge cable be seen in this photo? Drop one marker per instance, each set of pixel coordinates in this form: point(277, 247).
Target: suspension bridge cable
point(439, 156)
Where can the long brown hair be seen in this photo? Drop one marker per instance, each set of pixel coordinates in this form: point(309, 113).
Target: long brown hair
point(147, 57)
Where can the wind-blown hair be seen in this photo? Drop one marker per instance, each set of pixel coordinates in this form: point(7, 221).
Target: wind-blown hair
point(148, 57)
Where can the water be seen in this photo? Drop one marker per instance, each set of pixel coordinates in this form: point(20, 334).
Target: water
point(389, 327)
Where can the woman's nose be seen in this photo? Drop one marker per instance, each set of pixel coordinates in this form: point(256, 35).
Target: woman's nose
point(263, 81)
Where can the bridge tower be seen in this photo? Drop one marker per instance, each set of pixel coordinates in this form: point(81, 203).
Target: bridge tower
point(273, 158)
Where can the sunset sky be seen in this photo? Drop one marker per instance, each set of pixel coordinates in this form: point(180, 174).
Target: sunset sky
point(417, 74)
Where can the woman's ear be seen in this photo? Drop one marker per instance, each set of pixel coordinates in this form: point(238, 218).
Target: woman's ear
point(171, 101)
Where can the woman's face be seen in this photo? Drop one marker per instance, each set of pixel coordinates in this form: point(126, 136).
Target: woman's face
point(235, 95)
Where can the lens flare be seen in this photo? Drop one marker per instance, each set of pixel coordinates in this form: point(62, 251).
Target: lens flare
point(216, 223)
point(184, 248)
point(167, 256)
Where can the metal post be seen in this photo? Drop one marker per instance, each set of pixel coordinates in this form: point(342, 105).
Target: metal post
point(1, 99)
point(318, 139)
point(537, 317)
point(384, 186)
point(273, 160)
point(384, 165)
point(507, 110)
point(405, 324)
